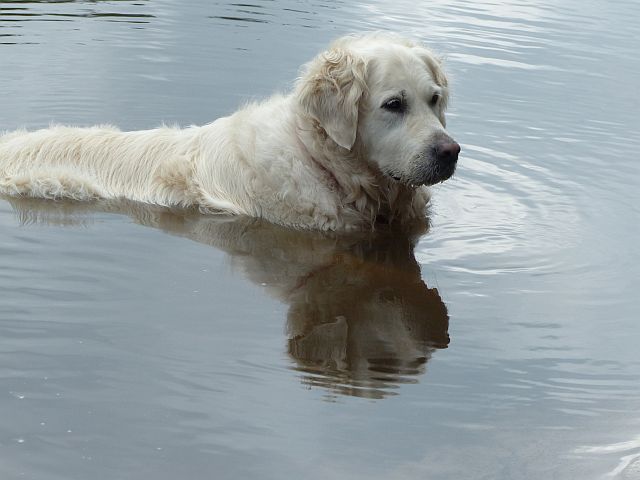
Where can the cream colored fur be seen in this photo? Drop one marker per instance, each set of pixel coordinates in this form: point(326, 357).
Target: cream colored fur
point(323, 157)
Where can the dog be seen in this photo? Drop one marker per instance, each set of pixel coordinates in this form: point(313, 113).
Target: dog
point(357, 141)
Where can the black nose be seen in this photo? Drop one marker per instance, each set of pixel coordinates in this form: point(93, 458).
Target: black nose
point(447, 152)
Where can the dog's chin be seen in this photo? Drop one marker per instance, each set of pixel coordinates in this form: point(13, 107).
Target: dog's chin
point(435, 179)
point(437, 173)
point(430, 176)
point(405, 182)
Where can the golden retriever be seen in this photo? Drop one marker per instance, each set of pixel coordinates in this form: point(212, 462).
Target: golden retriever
point(356, 142)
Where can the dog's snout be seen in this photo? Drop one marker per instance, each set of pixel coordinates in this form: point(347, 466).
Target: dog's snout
point(447, 152)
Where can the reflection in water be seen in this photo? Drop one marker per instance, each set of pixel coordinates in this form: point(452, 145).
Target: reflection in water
point(360, 318)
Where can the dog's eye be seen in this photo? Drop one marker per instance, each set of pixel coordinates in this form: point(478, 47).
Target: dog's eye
point(394, 105)
point(434, 100)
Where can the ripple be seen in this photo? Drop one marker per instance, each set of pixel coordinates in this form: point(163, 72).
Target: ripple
point(629, 464)
point(498, 62)
point(500, 204)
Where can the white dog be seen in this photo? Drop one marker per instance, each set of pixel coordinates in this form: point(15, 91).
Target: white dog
point(353, 144)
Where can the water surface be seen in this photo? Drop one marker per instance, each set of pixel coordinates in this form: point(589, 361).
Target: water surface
point(502, 343)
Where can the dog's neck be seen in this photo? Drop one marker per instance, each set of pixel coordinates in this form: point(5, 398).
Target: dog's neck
point(349, 169)
point(361, 186)
point(326, 172)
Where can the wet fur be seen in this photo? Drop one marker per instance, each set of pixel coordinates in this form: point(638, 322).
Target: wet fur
point(308, 159)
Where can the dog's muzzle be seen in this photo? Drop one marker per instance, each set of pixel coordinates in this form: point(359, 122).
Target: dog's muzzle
point(434, 165)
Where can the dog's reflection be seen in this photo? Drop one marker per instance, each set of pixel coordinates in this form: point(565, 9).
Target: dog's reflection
point(360, 320)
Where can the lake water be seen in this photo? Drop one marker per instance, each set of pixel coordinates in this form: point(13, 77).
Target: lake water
point(142, 343)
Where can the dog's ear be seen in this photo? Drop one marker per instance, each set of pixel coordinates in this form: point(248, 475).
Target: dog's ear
point(434, 65)
point(330, 91)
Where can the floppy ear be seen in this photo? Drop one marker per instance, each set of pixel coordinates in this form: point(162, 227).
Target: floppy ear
point(330, 91)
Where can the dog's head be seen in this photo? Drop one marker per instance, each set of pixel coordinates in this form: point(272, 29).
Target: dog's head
point(386, 97)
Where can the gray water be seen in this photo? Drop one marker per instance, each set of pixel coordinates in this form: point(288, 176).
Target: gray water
point(143, 343)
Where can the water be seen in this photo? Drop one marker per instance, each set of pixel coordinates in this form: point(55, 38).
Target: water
point(138, 342)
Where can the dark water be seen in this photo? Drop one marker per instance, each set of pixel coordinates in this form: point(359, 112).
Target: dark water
point(139, 343)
